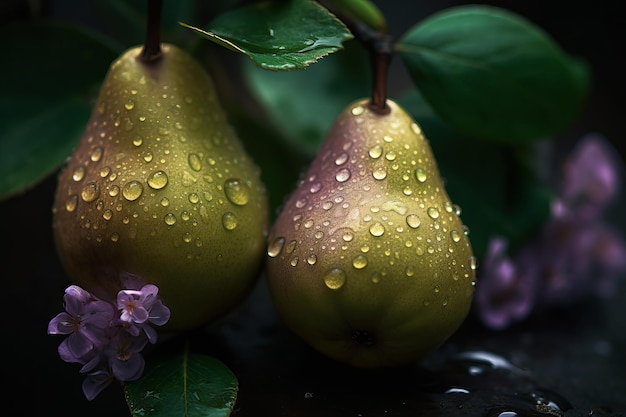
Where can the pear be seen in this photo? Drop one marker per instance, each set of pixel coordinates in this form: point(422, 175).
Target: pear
point(368, 260)
point(160, 189)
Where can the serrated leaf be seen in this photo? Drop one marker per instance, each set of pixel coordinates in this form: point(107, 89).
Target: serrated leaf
point(494, 75)
point(47, 87)
point(190, 385)
point(304, 104)
point(278, 35)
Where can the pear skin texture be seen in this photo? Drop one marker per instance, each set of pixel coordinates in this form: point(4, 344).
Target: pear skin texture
point(160, 187)
point(368, 261)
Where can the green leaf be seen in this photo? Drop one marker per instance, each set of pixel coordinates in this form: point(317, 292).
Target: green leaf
point(364, 11)
point(304, 104)
point(278, 35)
point(190, 385)
point(492, 183)
point(47, 87)
point(494, 75)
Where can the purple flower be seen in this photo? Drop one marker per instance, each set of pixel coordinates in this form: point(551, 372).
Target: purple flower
point(83, 322)
point(124, 359)
point(579, 259)
point(141, 306)
point(590, 179)
point(575, 255)
point(105, 338)
point(96, 382)
point(506, 289)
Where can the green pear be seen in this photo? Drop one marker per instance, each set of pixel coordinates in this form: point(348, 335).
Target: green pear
point(368, 260)
point(160, 188)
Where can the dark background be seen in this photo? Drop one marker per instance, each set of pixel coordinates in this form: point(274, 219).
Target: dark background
point(573, 358)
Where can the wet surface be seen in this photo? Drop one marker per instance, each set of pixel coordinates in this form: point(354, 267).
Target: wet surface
point(565, 363)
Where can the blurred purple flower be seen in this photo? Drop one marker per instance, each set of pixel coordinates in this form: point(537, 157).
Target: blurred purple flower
point(590, 180)
point(105, 341)
point(506, 293)
point(575, 255)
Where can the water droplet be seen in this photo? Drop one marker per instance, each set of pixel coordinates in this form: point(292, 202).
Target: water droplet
point(473, 262)
point(416, 129)
point(148, 156)
point(380, 173)
point(291, 246)
point(335, 278)
point(359, 262)
point(347, 236)
point(455, 235)
point(358, 110)
point(390, 156)
point(343, 175)
point(114, 191)
point(194, 161)
point(194, 198)
point(96, 154)
point(115, 237)
point(409, 271)
point(315, 188)
point(132, 190)
point(229, 221)
point(70, 204)
point(375, 277)
point(129, 105)
point(377, 229)
point(341, 159)
point(413, 221)
point(275, 247)
point(311, 259)
point(90, 192)
point(104, 172)
point(394, 206)
point(78, 174)
point(237, 191)
point(157, 180)
point(376, 151)
point(420, 175)
point(300, 203)
point(433, 212)
point(327, 205)
point(169, 219)
point(107, 214)
point(387, 139)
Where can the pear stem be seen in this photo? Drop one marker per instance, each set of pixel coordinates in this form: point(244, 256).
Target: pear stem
point(380, 47)
point(151, 51)
point(380, 57)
